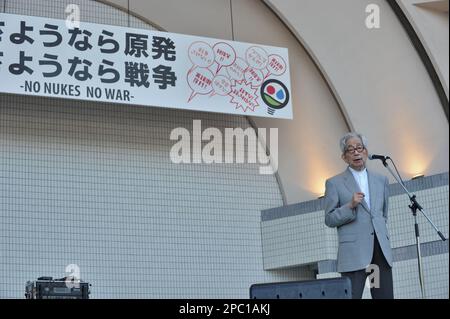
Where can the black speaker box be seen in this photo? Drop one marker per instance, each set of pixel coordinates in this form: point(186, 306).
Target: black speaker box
point(333, 288)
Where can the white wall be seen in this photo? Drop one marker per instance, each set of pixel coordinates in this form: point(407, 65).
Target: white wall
point(310, 140)
point(378, 77)
point(430, 22)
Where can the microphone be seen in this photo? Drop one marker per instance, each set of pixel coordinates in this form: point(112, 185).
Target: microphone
point(380, 157)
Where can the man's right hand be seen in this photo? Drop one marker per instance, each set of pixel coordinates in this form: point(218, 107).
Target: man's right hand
point(356, 199)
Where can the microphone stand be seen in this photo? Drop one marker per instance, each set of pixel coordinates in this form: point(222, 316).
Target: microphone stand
point(414, 207)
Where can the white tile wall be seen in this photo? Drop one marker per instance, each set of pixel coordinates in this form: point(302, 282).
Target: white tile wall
point(435, 270)
point(107, 198)
point(436, 205)
point(297, 240)
point(92, 184)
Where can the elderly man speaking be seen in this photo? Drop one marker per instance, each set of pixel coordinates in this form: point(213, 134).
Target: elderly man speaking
point(356, 202)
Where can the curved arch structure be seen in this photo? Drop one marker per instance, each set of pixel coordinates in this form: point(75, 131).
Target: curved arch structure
point(345, 77)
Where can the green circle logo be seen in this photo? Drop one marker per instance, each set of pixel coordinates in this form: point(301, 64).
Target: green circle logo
point(274, 94)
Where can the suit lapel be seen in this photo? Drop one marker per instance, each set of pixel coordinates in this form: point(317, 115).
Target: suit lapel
point(372, 189)
point(352, 185)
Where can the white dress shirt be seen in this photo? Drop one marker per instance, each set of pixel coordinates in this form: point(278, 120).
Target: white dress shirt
point(363, 183)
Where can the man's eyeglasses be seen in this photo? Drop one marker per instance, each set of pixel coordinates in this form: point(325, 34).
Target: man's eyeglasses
point(358, 148)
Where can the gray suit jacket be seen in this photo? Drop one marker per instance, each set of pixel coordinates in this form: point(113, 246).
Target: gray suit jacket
point(357, 227)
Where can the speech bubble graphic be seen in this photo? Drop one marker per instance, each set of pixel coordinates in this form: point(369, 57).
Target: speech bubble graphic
point(276, 65)
point(221, 85)
point(225, 55)
point(254, 77)
point(237, 69)
point(200, 81)
point(256, 57)
point(201, 55)
point(244, 96)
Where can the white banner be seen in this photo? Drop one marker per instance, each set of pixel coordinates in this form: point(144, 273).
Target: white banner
point(40, 56)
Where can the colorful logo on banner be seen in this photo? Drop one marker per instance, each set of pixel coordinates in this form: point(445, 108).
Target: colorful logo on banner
point(275, 95)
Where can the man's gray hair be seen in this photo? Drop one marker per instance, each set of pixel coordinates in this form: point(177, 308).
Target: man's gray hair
point(346, 137)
